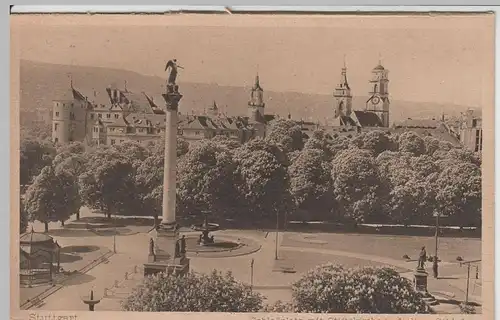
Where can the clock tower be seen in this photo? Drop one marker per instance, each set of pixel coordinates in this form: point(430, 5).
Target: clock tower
point(378, 102)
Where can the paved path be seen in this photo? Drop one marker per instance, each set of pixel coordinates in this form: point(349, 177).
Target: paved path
point(132, 251)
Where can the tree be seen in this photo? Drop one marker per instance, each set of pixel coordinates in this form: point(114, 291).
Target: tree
point(133, 151)
point(287, 134)
point(411, 142)
point(34, 155)
point(75, 147)
point(226, 142)
point(356, 184)
point(410, 185)
point(149, 184)
point(158, 146)
point(334, 289)
point(311, 182)
point(215, 292)
point(460, 193)
point(69, 196)
point(321, 140)
point(206, 178)
point(262, 178)
point(108, 183)
point(23, 217)
point(49, 198)
point(431, 145)
point(375, 142)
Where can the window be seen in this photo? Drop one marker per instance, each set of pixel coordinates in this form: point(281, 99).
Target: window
point(108, 115)
point(479, 141)
point(57, 113)
point(141, 130)
point(56, 140)
point(117, 116)
point(92, 116)
point(100, 115)
point(112, 129)
point(112, 141)
point(197, 133)
point(71, 116)
point(474, 123)
point(56, 125)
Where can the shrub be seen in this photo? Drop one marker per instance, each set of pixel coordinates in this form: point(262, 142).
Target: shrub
point(280, 307)
point(334, 289)
point(215, 292)
point(467, 309)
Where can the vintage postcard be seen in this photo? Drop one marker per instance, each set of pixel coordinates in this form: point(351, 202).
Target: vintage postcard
point(318, 166)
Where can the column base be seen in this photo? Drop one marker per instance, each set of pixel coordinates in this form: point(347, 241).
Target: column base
point(177, 266)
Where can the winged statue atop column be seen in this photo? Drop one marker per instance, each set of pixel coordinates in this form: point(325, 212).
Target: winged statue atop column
point(171, 69)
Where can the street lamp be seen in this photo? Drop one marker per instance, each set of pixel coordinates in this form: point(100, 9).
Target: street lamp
point(114, 234)
point(251, 273)
point(277, 236)
point(435, 260)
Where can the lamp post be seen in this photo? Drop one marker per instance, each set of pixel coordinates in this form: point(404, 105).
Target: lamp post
point(277, 236)
point(435, 260)
point(114, 235)
point(468, 263)
point(251, 274)
point(437, 215)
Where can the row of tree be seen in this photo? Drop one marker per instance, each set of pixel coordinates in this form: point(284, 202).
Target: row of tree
point(375, 177)
point(325, 289)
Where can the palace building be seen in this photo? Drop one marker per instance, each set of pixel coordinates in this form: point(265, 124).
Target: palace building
point(113, 116)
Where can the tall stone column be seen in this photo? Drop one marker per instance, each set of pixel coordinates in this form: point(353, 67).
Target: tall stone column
point(167, 251)
point(170, 172)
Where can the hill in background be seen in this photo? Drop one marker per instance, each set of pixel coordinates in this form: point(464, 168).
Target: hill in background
point(40, 83)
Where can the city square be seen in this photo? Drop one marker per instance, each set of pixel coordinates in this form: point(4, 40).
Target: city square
point(297, 251)
point(131, 200)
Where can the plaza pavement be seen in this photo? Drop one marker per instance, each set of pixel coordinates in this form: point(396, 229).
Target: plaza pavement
point(132, 251)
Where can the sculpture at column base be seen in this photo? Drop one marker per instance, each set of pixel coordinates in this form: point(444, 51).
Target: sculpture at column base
point(169, 252)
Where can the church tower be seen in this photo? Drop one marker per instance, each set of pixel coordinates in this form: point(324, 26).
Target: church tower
point(256, 103)
point(378, 102)
point(342, 95)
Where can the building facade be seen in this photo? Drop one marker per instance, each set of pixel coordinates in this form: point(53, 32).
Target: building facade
point(114, 116)
point(471, 131)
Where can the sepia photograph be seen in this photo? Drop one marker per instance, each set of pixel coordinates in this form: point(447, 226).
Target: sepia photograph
point(327, 164)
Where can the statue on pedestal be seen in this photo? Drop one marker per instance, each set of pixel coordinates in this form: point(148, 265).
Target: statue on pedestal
point(177, 249)
point(151, 247)
point(183, 244)
point(171, 68)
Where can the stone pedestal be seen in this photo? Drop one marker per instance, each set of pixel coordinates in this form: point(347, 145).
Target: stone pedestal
point(165, 238)
point(178, 266)
point(420, 280)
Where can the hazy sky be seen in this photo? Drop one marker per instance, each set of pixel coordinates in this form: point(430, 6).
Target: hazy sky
point(439, 59)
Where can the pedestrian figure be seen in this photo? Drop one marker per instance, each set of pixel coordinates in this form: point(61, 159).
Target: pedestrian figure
point(421, 259)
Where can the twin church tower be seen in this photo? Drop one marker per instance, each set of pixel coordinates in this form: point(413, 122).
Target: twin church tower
point(377, 103)
point(374, 114)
